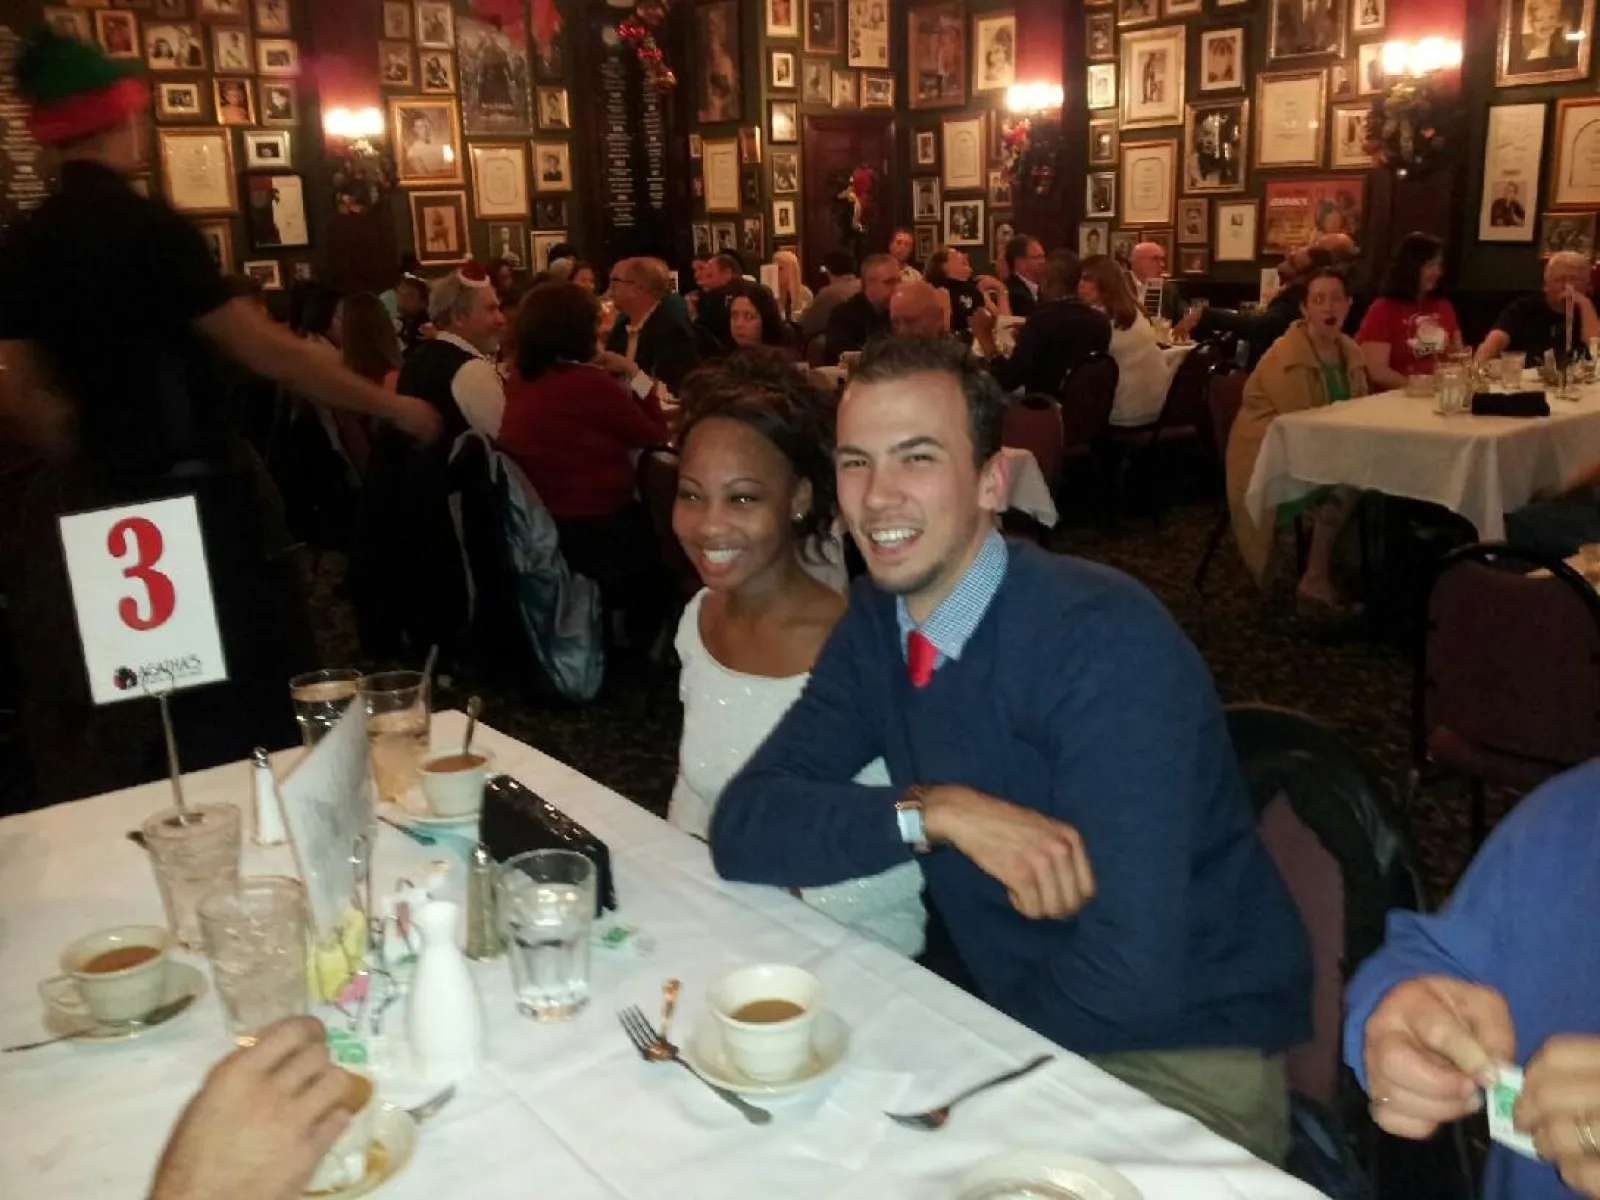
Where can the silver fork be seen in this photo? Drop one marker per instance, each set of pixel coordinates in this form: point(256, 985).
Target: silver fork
point(935, 1118)
point(652, 1047)
point(427, 1108)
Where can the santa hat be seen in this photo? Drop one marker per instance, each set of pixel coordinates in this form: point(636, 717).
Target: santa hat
point(473, 274)
point(73, 89)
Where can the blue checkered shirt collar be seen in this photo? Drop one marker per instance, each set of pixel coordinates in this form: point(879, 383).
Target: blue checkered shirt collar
point(950, 626)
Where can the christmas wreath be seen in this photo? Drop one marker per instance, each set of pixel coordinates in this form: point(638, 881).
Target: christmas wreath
point(1412, 128)
point(362, 174)
point(1028, 153)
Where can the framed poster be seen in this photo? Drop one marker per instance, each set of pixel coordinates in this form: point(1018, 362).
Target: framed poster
point(1368, 16)
point(1138, 12)
point(178, 101)
point(719, 167)
point(937, 49)
point(1299, 29)
point(277, 56)
point(266, 149)
point(963, 223)
point(552, 166)
point(1103, 141)
point(925, 198)
point(1543, 41)
point(1513, 150)
point(867, 33)
point(235, 101)
point(1194, 222)
point(1575, 178)
point(1100, 194)
point(276, 211)
point(1215, 134)
point(1149, 172)
point(395, 67)
point(994, 51)
point(436, 28)
point(1291, 105)
point(509, 241)
point(197, 170)
point(439, 225)
point(500, 179)
point(823, 35)
point(1347, 146)
point(495, 96)
point(1298, 211)
point(783, 18)
point(1093, 238)
point(1100, 36)
point(438, 74)
point(1222, 60)
point(816, 81)
point(964, 157)
point(1236, 231)
point(1152, 77)
point(1101, 83)
point(1566, 233)
point(427, 136)
point(716, 35)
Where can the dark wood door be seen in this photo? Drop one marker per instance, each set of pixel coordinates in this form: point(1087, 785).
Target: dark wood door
point(835, 146)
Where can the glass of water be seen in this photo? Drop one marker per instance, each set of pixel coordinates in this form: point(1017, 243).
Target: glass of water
point(255, 937)
point(320, 698)
point(1512, 365)
point(397, 728)
point(546, 909)
point(193, 852)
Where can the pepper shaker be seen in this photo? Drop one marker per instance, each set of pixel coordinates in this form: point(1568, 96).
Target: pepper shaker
point(269, 830)
point(483, 913)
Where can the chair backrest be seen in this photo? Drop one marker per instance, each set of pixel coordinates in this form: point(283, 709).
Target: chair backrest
point(1224, 398)
point(1511, 657)
point(657, 477)
point(1033, 423)
point(1087, 394)
point(816, 351)
point(1185, 405)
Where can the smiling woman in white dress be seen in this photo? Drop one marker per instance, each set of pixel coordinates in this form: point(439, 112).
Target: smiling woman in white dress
point(754, 484)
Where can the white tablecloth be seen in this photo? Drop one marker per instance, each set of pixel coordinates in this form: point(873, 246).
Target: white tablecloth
point(1480, 467)
point(569, 1110)
point(1026, 489)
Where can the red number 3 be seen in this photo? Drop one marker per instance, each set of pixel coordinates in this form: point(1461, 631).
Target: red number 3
point(146, 550)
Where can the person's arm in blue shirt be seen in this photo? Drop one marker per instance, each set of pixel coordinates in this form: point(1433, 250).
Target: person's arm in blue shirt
point(792, 817)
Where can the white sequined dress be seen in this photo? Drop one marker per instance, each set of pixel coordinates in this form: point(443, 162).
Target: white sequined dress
point(726, 715)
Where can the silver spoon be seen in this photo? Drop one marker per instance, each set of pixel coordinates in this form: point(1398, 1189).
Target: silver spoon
point(474, 707)
point(156, 1016)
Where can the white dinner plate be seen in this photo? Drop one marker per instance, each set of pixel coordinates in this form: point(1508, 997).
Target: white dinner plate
point(830, 1043)
point(60, 1018)
point(1044, 1175)
point(394, 1139)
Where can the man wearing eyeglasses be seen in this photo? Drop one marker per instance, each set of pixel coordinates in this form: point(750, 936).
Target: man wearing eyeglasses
point(650, 344)
point(1156, 294)
point(1025, 259)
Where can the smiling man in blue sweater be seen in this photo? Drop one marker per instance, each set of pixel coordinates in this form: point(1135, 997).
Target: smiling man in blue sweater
point(1059, 761)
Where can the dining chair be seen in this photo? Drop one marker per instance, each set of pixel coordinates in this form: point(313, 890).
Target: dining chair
point(1224, 398)
point(1088, 391)
point(1033, 423)
point(1183, 414)
point(1507, 685)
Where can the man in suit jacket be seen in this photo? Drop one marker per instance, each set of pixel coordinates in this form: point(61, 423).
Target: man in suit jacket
point(1058, 335)
point(864, 316)
point(1024, 257)
point(650, 344)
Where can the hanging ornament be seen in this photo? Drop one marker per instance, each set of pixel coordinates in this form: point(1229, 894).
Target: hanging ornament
point(635, 30)
point(507, 14)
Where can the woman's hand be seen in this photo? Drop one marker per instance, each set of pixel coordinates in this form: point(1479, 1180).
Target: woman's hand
point(1560, 1108)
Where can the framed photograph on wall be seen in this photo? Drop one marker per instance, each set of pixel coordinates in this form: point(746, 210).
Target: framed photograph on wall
point(275, 210)
point(1513, 151)
point(436, 25)
point(964, 154)
point(824, 34)
point(427, 139)
point(541, 244)
point(719, 167)
point(268, 272)
point(877, 90)
point(280, 103)
point(395, 67)
point(783, 18)
point(1215, 134)
point(508, 240)
point(816, 81)
point(1222, 60)
point(867, 33)
point(1543, 41)
point(227, 10)
point(753, 238)
point(1341, 81)
point(234, 101)
point(439, 227)
point(1236, 231)
point(1300, 210)
point(277, 56)
point(549, 212)
point(175, 47)
point(994, 51)
point(1347, 144)
point(178, 101)
point(1100, 194)
point(925, 148)
point(999, 188)
point(552, 167)
point(1001, 230)
point(1103, 143)
point(232, 51)
point(267, 149)
point(785, 222)
point(1101, 83)
point(1194, 260)
point(218, 237)
point(1300, 29)
point(1152, 77)
point(272, 16)
point(437, 72)
point(500, 179)
point(1370, 76)
point(963, 223)
point(926, 241)
point(550, 105)
point(937, 54)
point(783, 121)
point(72, 23)
point(717, 81)
point(1575, 179)
point(1100, 36)
point(1291, 106)
point(1182, 8)
point(750, 144)
point(781, 75)
point(925, 198)
point(1566, 233)
point(197, 170)
point(1194, 221)
point(701, 233)
point(117, 32)
point(785, 172)
point(1094, 237)
point(1138, 12)
point(845, 94)
point(397, 19)
point(1368, 16)
point(1149, 178)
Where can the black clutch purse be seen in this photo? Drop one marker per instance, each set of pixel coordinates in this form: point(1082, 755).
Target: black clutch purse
point(515, 820)
point(1510, 404)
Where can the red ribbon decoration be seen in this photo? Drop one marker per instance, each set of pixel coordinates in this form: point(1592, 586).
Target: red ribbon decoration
point(507, 14)
point(635, 31)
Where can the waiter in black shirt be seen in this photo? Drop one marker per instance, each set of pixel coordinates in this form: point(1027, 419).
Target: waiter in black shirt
point(127, 406)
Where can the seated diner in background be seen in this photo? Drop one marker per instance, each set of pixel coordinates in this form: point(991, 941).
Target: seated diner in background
point(1258, 331)
point(919, 309)
point(1142, 373)
point(1058, 335)
point(1314, 364)
point(650, 346)
point(1147, 273)
point(1024, 260)
point(754, 320)
point(1560, 519)
point(793, 296)
point(857, 320)
point(1533, 324)
point(843, 283)
point(951, 270)
point(1409, 325)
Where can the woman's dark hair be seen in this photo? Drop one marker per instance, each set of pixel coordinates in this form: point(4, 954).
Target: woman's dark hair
point(556, 322)
point(1325, 273)
point(760, 387)
point(1404, 280)
point(936, 274)
point(370, 346)
point(772, 328)
point(583, 264)
point(318, 303)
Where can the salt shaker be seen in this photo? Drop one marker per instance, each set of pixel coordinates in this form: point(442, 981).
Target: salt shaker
point(269, 830)
point(483, 916)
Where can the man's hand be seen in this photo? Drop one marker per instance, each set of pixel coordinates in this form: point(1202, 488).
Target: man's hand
point(620, 365)
point(418, 419)
point(261, 1123)
point(1430, 1045)
point(982, 322)
point(1041, 861)
point(1560, 1094)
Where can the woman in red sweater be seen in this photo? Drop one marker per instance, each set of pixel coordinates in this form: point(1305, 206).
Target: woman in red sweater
point(575, 432)
point(1408, 326)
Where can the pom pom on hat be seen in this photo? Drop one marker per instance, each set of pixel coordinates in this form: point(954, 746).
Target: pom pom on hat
point(73, 89)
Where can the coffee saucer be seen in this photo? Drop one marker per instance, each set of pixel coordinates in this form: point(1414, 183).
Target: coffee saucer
point(1045, 1175)
point(413, 809)
point(394, 1140)
point(64, 1017)
point(705, 1052)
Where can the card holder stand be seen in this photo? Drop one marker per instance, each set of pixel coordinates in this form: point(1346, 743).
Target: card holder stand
point(516, 819)
point(1510, 404)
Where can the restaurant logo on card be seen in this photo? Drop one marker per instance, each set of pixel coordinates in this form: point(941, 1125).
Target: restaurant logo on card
point(170, 672)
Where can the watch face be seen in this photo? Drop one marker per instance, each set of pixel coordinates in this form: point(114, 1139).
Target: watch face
point(912, 830)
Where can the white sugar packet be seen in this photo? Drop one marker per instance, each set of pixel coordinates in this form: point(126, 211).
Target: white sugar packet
point(1500, 1099)
point(850, 1123)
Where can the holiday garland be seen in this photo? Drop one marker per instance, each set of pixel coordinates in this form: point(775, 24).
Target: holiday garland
point(1412, 127)
point(636, 30)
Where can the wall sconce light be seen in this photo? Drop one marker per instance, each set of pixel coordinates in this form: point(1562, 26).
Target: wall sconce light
point(1416, 59)
point(1034, 99)
point(351, 124)
point(1031, 140)
point(362, 168)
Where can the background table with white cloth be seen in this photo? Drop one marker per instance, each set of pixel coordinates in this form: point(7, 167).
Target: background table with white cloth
point(1479, 467)
point(569, 1110)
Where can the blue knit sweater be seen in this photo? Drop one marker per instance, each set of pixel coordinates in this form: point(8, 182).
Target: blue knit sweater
point(1079, 697)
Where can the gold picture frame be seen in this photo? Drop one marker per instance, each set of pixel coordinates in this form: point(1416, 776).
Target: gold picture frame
point(1516, 66)
point(414, 163)
point(197, 175)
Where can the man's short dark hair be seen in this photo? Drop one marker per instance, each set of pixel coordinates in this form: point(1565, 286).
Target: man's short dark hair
point(1062, 270)
point(729, 260)
point(1017, 248)
point(889, 358)
point(837, 263)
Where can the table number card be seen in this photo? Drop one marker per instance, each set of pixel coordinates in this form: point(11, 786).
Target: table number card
point(142, 594)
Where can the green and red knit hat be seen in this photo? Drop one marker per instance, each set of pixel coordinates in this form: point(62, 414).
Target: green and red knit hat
point(73, 88)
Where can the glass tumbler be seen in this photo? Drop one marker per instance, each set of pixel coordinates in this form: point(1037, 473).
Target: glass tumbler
point(546, 909)
point(320, 698)
point(192, 854)
point(1511, 367)
point(255, 937)
point(397, 728)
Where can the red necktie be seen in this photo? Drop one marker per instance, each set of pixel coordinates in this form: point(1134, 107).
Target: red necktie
point(919, 658)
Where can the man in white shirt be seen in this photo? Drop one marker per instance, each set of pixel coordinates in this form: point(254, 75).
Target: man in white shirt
point(466, 311)
point(901, 246)
point(1157, 295)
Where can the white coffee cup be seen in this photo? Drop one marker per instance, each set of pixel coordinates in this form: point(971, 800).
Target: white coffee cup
point(345, 1163)
point(95, 986)
point(459, 792)
point(766, 1049)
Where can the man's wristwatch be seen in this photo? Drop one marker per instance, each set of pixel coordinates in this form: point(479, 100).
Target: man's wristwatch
point(908, 812)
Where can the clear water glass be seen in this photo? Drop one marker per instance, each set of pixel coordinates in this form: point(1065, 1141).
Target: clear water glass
point(320, 698)
point(546, 910)
point(1450, 389)
point(397, 728)
point(255, 936)
point(193, 853)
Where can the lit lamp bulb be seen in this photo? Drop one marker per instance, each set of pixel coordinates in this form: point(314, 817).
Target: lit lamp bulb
point(1034, 97)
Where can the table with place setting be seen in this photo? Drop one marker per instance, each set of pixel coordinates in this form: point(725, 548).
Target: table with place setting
point(569, 1107)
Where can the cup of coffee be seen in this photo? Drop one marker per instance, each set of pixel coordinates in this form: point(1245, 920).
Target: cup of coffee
point(113, 976)
point(345, 1164)
point(452, 781)
point(765, 1014)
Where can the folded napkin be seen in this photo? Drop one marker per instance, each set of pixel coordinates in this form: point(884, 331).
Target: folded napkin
point(850, 1122)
